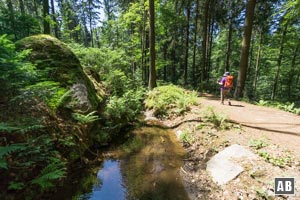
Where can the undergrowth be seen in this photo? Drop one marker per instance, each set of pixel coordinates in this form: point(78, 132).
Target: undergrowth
point(170, 99)
point(289, 107)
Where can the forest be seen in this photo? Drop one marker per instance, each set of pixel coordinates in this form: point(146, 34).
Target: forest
point(195, 41)
point(127, 47)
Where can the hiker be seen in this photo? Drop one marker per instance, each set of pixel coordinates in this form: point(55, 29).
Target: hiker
point(226, 84)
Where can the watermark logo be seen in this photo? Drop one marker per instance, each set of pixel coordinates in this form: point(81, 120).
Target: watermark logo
point(284, 186)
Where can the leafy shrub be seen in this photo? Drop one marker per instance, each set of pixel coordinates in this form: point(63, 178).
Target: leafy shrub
point(289, 107)
point(119, 111)
point(103, 59)
point(218, 120)
point(15, 72)
point(170, 99)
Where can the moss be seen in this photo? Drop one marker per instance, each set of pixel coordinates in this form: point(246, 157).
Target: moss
point(56, 62)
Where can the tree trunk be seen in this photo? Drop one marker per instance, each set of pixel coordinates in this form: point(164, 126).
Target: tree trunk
point(186, 57)
point(90, 22)
point(56, 32)
point(245, 49)
point(292, 73)
point(45, 16)
point(279, 59)
point(229, 38)
point(11, 15)
point(22, 7)
point(152, 71)
point(204, 40)
point(211, 22)
point(257, 65)
point(195, 44)
point(35, 5)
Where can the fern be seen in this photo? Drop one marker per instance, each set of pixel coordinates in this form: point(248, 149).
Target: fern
point(85, 119)
point(4, 127)
point(16, 185)
point(53, 171)
point(8, 128)
point(7, 150)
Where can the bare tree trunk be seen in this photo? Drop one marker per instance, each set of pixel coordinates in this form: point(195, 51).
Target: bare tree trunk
point(56, 32)
point(186, 57)
point(211, 22)
point(245, 49)
point(22, 7)
point(195, 44)
point(35, 7)
point(204, 40)
point(45, 16)
point(229, 38)
point(11, 15)
point(279, 59)
point(257, 65)
point(152, 71)
point(90, 22)
point(292, 72)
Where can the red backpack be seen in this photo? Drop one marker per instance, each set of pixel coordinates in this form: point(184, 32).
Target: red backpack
point(228, 82)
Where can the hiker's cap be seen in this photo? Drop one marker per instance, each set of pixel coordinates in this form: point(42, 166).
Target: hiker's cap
point(226, 73)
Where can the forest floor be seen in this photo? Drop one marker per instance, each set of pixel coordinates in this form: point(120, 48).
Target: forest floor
point(273, 135)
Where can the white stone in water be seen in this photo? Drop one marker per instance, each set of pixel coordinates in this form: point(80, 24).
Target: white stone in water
point(223, 168)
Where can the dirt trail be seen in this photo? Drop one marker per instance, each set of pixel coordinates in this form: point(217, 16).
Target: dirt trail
point(282, 128)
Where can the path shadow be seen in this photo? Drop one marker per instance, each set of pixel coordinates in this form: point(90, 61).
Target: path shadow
point(216, 98)
point(160, 125)
point(265, 129)
point(237, 105)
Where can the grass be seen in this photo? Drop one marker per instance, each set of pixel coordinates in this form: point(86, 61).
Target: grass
point(258, 143)
point(276, 161)
point(216, 119)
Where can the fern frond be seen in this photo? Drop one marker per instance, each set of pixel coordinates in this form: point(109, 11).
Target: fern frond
point(7, 150)
point(53, 171)
point(4, 127)
point(85, 119)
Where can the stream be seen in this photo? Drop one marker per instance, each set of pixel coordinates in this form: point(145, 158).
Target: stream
point(146, 167)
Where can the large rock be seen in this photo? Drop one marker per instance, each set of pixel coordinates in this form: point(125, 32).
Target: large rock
point(57, 63)
point(222, 166)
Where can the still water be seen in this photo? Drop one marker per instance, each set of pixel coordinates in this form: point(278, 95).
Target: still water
point(112, 184)
point(146, 167)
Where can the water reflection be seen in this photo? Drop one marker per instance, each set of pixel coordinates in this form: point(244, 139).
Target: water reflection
point(148, 168)
point(112, 185)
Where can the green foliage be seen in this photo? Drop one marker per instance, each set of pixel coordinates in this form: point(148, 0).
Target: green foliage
point(276, 161)
point(53, 171)
point(170, 99)
point(119, 111)
point(16, 186)
point(258, 143)
point(49, 91)
point(186, 137)
point(86, 119)
point(103, 60)
point(15, 73)
point(289, 107)
point(218, 120)
point(6, 150)
point(117, 82)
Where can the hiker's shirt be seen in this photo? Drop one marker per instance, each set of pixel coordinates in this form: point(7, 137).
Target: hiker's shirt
point(223, 83)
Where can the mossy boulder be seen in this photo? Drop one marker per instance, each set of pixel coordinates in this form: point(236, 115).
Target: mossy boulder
point(58, 65)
